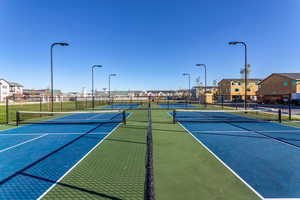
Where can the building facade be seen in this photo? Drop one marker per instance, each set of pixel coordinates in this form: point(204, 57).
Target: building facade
point(234, 89)
point(197, 91)
point(277, 87)
point(8, 89)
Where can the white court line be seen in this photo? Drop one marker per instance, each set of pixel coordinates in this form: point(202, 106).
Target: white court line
point(26, 134)
point(52, 186)
point(27, 141)
point(242, 131)
point(282, 198)
point(221, 161)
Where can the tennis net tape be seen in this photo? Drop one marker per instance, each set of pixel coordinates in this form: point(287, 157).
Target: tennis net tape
point(86, 117)
point(214, 116)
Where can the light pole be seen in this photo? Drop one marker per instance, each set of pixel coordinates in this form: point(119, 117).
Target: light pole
point(110, 75)
point(93, 98)
point(205, 85)
point(189, 77)
point(51, 63)
point(246, 70)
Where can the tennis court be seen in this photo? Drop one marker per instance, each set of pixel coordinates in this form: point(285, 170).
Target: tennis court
point(122, 106)
point(34, 157)
point(176, 105)
point(264, 155)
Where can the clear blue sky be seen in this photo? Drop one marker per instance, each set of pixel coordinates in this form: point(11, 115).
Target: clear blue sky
point(148, 43)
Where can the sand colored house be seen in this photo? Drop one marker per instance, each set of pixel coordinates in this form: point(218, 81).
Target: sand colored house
point(278, 86)
point(234, 89)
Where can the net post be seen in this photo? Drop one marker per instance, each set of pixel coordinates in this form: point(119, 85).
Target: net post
point(17, 118)
point(279, 115)
point(174, 116)
point(7, 110)
point(124, 116)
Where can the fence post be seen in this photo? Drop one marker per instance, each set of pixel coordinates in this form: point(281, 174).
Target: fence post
point(76, 106)
point(222, 101)
point(61, 104)
point(7, 110)
point(279, 115)
point(290, 109)
point(17, 118)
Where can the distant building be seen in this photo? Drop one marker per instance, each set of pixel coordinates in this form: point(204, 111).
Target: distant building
point(41, 92)
point(278, 86)
point(199, 90)
point(234, 89)
point(8, 89)
point(161, 93)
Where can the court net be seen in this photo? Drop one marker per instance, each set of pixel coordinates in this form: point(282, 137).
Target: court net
point(214, 116)
point(87, 117)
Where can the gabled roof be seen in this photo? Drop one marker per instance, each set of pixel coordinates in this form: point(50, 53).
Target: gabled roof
point(294, 76)
point(289, 75)
point(240, 79)
point(12, 83)
point(15, 84)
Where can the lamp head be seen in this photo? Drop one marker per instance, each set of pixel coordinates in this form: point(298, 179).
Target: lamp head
point(63, 44)
point(233, 42)
point(97, 66)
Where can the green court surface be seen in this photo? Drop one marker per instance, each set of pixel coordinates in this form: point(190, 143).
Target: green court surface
point(183, 169)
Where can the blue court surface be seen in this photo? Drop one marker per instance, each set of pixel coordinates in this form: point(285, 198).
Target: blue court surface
point(176, 105)
point(265, 155)
point(34, 157)
point(122, 106)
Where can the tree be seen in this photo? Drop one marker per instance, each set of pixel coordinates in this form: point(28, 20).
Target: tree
point(214, 82)
point(248, 71)
point(198, 81)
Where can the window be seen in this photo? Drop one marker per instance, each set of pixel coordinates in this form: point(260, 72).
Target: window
point(285, 83)
point(239, 83)
point(237, 89)
point(294, 82)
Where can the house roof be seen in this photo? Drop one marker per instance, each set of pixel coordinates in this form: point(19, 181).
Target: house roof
point(206, 87)
point(289, 75)
point(12, 83)
point(241, 79)
point(15, 84)
point(294, 76)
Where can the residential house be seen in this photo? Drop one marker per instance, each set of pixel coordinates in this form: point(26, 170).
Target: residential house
point(200, 90)
point(277, 87)
point(234, 89)
point(8, 89)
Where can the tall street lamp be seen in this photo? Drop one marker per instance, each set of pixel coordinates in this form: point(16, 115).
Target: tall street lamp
point(93, 98)
point(51, 63)
point(205, 85)
point(110, 75)
point(246, 70)
point(189, 77)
